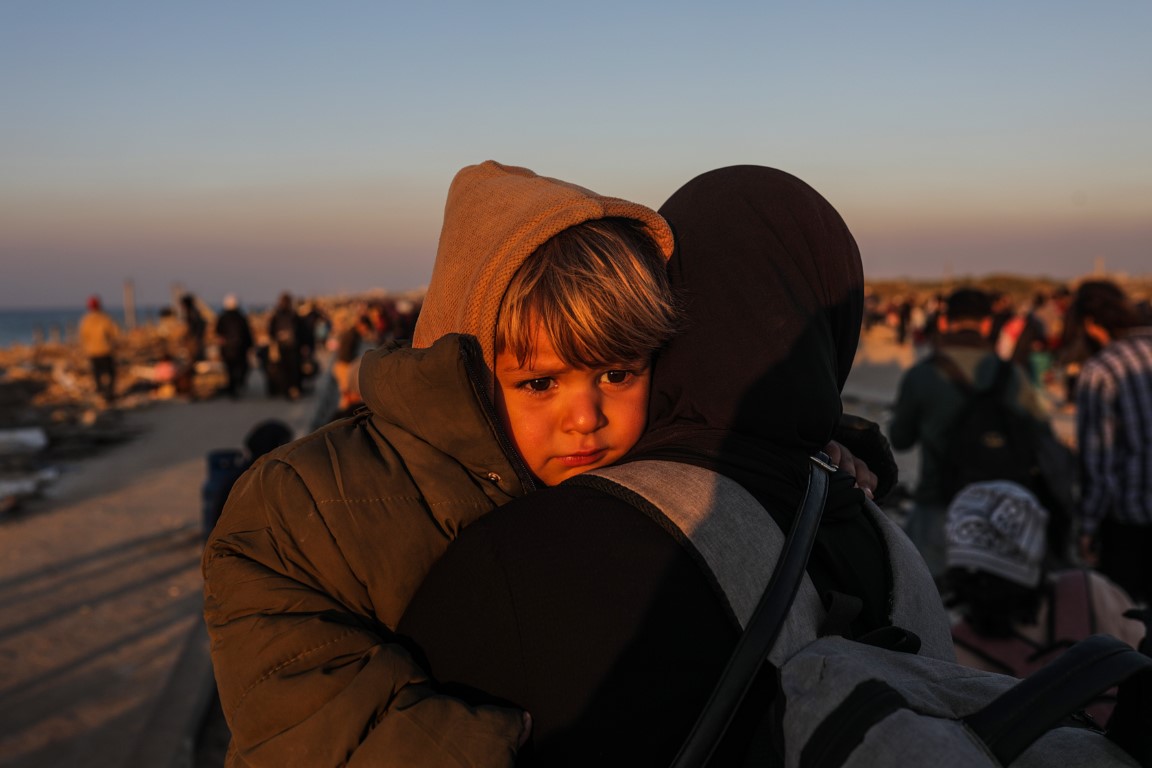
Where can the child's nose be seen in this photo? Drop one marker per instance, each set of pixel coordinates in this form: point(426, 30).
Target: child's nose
point(585, 414)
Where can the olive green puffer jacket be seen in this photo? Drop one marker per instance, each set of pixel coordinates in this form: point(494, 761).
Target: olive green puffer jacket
point(323, 543)
point(318, 551)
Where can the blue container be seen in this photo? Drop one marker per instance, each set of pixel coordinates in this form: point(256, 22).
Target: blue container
point(224, 468)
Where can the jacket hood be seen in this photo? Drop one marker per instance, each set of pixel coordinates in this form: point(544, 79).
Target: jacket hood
point(495, 217)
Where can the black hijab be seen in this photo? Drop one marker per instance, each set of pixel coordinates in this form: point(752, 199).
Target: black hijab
point(772, 289)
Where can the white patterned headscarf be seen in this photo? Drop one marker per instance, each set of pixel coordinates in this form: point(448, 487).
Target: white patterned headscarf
point(998, 527)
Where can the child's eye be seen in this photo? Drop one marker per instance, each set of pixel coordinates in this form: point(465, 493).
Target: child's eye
point(535, 385)
point(617, 377)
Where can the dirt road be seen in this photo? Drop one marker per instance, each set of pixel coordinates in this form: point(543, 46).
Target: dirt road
point(101, 584)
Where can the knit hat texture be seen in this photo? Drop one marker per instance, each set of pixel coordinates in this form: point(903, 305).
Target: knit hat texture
point(998, 527)
point(495, 217)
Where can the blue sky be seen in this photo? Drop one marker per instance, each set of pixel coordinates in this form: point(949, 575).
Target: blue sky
point(268, 145)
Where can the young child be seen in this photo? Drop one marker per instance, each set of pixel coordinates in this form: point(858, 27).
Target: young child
point(572, 367)
point(529, 364)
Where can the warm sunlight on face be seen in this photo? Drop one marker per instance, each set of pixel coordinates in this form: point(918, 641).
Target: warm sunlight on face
point(565, 420)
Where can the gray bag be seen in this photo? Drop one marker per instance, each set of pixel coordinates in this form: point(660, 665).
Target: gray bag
point(854, 704)
point(850, 704)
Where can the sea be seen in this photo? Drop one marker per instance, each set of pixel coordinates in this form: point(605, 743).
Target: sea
point(31, 326)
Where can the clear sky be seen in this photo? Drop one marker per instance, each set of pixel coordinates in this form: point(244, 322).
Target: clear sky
point(260, 145)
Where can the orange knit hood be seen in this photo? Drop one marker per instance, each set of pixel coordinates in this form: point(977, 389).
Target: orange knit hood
point(495, 217)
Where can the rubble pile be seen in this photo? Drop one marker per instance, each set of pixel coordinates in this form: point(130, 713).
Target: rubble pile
point(51, 413)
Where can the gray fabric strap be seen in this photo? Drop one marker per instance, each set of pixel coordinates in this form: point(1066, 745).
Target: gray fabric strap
point(734, 535)
point(740, 544)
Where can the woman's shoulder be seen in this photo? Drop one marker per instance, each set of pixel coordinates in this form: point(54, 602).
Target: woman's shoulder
point(559, 507)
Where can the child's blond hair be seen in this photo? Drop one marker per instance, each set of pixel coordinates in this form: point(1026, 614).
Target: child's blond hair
point(598, 291)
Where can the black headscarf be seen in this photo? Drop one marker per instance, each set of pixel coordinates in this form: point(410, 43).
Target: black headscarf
point(772, 289)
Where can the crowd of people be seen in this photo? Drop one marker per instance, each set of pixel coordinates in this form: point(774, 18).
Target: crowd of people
point(1032, 329)
point(489, 552)
point(194, 352)
point(1034, 546)
point(1098, 500)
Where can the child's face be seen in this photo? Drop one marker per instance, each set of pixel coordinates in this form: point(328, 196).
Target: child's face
point(565, 420)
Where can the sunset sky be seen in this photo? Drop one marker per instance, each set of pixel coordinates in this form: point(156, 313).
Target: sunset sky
point(254, 146)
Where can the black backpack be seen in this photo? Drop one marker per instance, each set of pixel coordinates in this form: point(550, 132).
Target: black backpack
point(989, 440)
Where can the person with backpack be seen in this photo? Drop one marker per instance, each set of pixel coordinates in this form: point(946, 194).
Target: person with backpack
point(594, 604)
point(1016, 616)
point(973, 416)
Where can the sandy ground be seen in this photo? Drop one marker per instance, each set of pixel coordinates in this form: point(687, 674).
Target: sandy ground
point(101, 581)
point(101, 584)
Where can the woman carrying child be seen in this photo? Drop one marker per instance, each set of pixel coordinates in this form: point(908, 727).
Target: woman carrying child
point(529, 365)
point(588, 609)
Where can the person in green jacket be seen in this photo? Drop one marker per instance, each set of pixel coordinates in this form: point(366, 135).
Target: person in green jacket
point(929, 402)
point(529, 364)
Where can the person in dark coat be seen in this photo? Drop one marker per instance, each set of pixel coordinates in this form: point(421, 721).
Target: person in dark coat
point(576, 605)
point(930, 400)
point(234, 335)
point(195, 328)
point(285, 354)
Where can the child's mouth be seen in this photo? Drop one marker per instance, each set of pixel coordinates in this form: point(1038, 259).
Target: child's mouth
point(583, 458)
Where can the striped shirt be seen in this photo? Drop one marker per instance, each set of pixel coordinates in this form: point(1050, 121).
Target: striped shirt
point(1114, 431)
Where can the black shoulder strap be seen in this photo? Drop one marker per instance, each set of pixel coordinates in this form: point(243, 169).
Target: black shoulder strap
point(763, 627)
point(1041, 701)
point(950, 369)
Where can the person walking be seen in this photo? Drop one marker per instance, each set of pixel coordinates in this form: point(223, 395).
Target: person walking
point(234, 335)
point(930, 400)
point(98, 333)
point(285, 354)
point(195, 328)
point(1114, 435)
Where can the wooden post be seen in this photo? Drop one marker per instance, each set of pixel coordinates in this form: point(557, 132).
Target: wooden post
point(129, 305)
